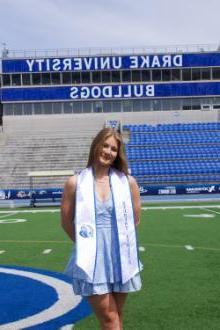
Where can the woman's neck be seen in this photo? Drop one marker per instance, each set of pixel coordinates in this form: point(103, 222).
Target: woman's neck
point(101, 173)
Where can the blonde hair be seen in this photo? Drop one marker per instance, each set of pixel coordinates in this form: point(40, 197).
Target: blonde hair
point(120, 162)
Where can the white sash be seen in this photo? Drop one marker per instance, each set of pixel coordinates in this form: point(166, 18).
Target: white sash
point(85, 223)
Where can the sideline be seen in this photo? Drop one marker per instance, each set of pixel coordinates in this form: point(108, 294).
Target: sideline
point(182, 207)
point(182, 246)
point(142, 247)
point(37, 242)
point(30, 211)
point(212, 211)
point(142, 208)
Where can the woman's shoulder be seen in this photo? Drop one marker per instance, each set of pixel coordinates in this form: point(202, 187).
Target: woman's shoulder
point(70, 184)
point(133, 183)
point(132, 180)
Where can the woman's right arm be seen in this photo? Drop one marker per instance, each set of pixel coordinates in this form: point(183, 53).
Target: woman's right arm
point(68, 207)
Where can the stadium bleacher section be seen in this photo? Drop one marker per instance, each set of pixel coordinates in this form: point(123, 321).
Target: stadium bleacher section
point(181, 151)
point(174, 153)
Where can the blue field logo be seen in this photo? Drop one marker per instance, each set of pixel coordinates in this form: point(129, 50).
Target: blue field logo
point(35, 299)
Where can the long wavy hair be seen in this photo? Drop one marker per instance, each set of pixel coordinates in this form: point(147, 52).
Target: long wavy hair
point(120, 162)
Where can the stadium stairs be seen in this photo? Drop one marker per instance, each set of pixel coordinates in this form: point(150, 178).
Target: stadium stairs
point(43, 143)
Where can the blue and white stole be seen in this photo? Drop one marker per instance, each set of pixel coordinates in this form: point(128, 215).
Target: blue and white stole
point(85, 223)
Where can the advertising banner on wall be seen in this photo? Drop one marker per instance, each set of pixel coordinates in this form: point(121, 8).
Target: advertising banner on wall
point(180, 189)
point(55, 194)
point(40, 194)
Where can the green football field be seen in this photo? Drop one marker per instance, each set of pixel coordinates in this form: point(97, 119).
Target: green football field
point(179, 248)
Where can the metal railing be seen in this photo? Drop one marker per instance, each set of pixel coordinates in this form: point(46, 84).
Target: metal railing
point(65, 52)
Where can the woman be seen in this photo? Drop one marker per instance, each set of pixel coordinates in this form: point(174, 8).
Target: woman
point(100, 209)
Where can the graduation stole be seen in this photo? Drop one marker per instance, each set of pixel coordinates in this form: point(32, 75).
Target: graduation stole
point(85, 223)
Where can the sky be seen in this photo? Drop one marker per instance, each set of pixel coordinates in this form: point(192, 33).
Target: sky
point(52, 24)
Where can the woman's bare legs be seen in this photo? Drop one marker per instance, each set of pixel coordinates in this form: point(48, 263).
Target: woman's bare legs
point(108, 309)
point(120, 299)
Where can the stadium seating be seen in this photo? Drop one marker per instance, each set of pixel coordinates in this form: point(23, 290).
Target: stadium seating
point(174, 153)
point(166, 153)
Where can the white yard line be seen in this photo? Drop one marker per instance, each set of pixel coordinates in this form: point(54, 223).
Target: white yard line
point(170, 207)
point(211, 211)
point(147, 244)
point(181, 246)
point(182, 207)
point(200, 216)
point(32, 211)
point(37, 242)
point(8, 214)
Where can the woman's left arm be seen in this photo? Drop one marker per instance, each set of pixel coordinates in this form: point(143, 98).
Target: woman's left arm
point(136, 199)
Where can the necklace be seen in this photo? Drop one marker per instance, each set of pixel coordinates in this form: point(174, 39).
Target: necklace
point(101, 181)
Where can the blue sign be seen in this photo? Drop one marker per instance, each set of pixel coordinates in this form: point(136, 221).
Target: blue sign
point(124, 91)
point(180, 189)
point(40, 194)
point(55, 194)
point(35, 299)
point(110, 62)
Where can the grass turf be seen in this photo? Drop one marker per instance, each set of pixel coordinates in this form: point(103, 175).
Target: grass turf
point(180, 287)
